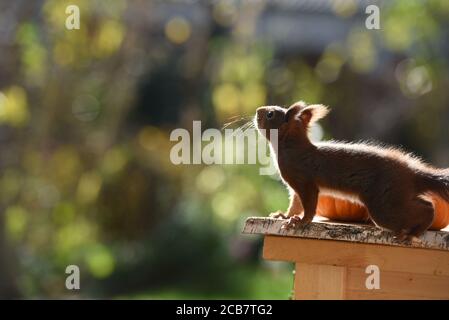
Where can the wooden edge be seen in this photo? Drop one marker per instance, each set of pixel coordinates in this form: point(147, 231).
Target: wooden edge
point(358, 233)
point(357, 255)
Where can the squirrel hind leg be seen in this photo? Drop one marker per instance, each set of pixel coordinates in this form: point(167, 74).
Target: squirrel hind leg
point(421, 215)
point(406, 237)
point(406, 221)
point(403, 236)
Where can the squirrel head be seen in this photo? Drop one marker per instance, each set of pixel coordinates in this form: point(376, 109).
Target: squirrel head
point(294, 120)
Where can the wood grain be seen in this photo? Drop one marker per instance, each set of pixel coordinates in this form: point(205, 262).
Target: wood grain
point(356, 255)
point(397, 285)
point(320, 282)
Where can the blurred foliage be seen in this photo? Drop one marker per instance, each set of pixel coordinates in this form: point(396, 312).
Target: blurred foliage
point(85, 117)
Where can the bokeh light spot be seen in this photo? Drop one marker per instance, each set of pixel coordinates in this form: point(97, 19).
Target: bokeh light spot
point(344, 8)
point(14, 107)
point(100, 261)
point(109, 38)
point(86, 108)
point(210, 179)
point(15, 222)
point(226, 98)
point(178, 30)
point(89, 187)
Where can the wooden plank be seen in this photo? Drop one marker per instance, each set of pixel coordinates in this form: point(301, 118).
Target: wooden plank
point(359, 255)
point(320, 282)
point(359, 233)
point(397, 285)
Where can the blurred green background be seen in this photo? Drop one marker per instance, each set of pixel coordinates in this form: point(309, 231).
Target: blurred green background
point(85, 119)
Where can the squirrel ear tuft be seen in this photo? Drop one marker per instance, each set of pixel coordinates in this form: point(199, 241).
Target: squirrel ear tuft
point(313, 113)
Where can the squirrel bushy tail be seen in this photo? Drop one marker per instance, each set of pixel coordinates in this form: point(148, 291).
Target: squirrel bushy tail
point(434, 181)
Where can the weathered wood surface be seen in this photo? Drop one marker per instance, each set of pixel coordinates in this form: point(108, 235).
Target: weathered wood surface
point(345, 232)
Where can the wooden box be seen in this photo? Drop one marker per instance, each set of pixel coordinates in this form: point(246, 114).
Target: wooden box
point(351, 261)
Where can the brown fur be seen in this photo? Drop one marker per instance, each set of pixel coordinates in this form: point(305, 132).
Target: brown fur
point(389, 182)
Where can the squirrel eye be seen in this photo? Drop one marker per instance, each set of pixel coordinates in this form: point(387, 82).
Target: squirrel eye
point(270, 114)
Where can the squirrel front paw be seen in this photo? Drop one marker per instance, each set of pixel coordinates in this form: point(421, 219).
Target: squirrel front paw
point(292, 223)
point(278, 214)
point(295, 222)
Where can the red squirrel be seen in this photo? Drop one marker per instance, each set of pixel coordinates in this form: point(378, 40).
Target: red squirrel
point(392, 184)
